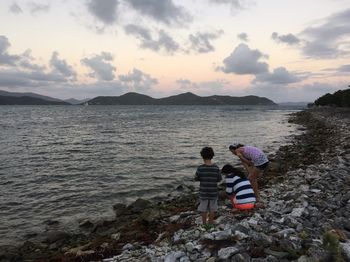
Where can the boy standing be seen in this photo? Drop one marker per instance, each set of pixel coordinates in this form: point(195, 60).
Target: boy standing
point(208, 175)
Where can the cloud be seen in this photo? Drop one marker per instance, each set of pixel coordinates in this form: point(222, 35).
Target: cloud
point(289, 39)
point(5, 57)
point(327, 39)
point(26, 62)
point(163, 42)
point(138, 81)
point(244, 61)
point(202, 88)
point(243, 37)
point(105, 11)
point(101, 69)
point(234, 3)
point(164, 11)
point(186, 84)
point(279, 76)
point(36, 8)
point(19, 78)
point(344, 68)
point(62, 67)
point(15, 8)
point(200, 42)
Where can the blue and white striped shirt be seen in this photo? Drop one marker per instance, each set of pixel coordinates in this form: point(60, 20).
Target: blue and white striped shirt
point(241, 188)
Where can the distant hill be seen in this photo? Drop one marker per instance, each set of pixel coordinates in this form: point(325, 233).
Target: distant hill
point(27, 100)
point(181, 99)
point(74, 101)
point(29, 94)
point(341, 98)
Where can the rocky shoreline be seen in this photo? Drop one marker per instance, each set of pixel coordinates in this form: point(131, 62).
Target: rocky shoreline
point(307, 196)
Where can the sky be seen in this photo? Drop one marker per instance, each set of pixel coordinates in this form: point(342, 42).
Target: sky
point(291, 50)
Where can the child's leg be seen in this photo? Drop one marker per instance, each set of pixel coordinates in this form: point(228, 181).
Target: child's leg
point(211, 217)
point(204, 217)
point(253, 178)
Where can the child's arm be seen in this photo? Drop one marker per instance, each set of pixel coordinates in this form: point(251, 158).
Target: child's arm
point(242, 158)
point(196, 176)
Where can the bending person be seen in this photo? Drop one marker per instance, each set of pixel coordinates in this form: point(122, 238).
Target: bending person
point(255, 161)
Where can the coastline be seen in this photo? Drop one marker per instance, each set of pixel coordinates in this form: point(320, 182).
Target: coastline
point(306, 191)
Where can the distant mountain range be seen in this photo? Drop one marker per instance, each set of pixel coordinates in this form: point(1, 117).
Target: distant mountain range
point(12, 98)
point(16, 98)
point(181, 99)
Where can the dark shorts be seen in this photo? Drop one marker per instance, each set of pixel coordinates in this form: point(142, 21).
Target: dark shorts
point(263, 166)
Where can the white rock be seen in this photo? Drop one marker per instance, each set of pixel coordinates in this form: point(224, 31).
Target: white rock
point(128, 247)
point(115, 236)
point(189, 246)
point(297, 212)
point(316, 191)
point(227, 252)
point(222, 235)
point(239, 235)
point(173, 256)
point(174, 218)
point(285, 232)
point(346, 249)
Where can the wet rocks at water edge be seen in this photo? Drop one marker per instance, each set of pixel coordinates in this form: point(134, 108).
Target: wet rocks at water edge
point(306, 218)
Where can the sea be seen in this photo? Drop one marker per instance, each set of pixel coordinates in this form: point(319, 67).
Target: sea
point(70, 163)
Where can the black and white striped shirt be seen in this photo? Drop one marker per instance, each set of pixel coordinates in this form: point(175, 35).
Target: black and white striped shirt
point(208, 176)
point(241, 188)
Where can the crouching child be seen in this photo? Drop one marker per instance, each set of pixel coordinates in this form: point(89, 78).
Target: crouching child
point(238, 189)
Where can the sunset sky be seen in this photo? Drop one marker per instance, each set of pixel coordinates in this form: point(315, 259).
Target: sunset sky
point(291, 50)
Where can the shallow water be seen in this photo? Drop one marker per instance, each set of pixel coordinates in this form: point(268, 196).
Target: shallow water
point(67, 163)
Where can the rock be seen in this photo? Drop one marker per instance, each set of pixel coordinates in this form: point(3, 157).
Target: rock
point(297, 212)
point(54, 236)
point(150, 215)
point(304, 259)
point(276, 254)
point(239, 235)
point(120, 209)
point(222, 235)
point(115, 236)
point(139, 205)
point(261, 239)
point(345, 247)
point(180, 188)
point(86, 224)
point(189, 246)
point(244, 257)
point(285, 232)
point(227, 252)
point(173, 256)
point(128, 247)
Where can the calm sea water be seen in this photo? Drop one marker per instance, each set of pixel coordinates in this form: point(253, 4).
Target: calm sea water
point(67, 163)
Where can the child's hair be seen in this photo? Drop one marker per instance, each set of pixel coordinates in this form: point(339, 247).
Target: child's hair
point(235, 146)
point(229, 169)
point(207, 153)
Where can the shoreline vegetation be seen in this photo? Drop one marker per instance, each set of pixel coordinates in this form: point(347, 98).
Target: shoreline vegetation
point(306, 191)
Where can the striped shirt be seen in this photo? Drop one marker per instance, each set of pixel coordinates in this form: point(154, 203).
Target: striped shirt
point(208, 176)
point(241, 188)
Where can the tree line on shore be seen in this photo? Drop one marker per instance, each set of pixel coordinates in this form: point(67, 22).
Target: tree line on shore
point(340, 98)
